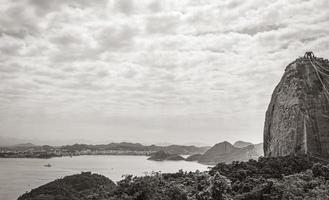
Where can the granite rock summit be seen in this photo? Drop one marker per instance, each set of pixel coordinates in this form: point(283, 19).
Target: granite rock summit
point(297, 118)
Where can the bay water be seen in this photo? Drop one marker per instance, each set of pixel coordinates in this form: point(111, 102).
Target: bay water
point(18, 175)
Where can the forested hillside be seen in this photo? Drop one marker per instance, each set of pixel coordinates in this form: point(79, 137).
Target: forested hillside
point(290, 177)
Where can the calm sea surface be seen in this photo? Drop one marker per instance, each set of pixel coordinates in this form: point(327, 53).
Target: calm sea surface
point(20, 175)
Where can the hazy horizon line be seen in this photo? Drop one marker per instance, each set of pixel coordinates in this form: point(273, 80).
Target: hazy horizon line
point(38, 142)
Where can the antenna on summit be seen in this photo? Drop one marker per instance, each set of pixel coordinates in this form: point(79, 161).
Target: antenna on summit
point(309, 54)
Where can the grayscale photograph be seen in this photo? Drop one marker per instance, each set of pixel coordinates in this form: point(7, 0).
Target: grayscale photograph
point(164, 100)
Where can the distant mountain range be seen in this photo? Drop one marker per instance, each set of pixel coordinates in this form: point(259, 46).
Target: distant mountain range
point(23, 145)
point(221, 152)
point(226, 152)
point(242, 144)
point(123, 146)
point(9, 141)
point(6, 141)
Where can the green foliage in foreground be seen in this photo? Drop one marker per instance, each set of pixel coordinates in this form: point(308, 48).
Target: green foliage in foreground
point(76, 187)
point(298, 177)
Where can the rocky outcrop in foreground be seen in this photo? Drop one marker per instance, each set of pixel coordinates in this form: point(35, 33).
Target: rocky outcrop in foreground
point(297, 118)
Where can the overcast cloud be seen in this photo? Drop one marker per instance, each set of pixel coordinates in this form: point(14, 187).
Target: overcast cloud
point(149, 71)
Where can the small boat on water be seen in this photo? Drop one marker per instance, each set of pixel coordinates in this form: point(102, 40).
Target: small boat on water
point(47, 165)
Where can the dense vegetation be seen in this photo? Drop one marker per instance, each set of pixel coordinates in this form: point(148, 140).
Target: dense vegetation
point(300, 177)
point(84, 186)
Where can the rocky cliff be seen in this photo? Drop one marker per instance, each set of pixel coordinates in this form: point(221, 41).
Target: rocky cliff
point(297, 118)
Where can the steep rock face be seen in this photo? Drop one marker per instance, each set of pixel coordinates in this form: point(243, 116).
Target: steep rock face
point(297, 118)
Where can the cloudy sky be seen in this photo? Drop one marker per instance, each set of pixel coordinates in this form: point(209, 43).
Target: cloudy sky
point(187, 71)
